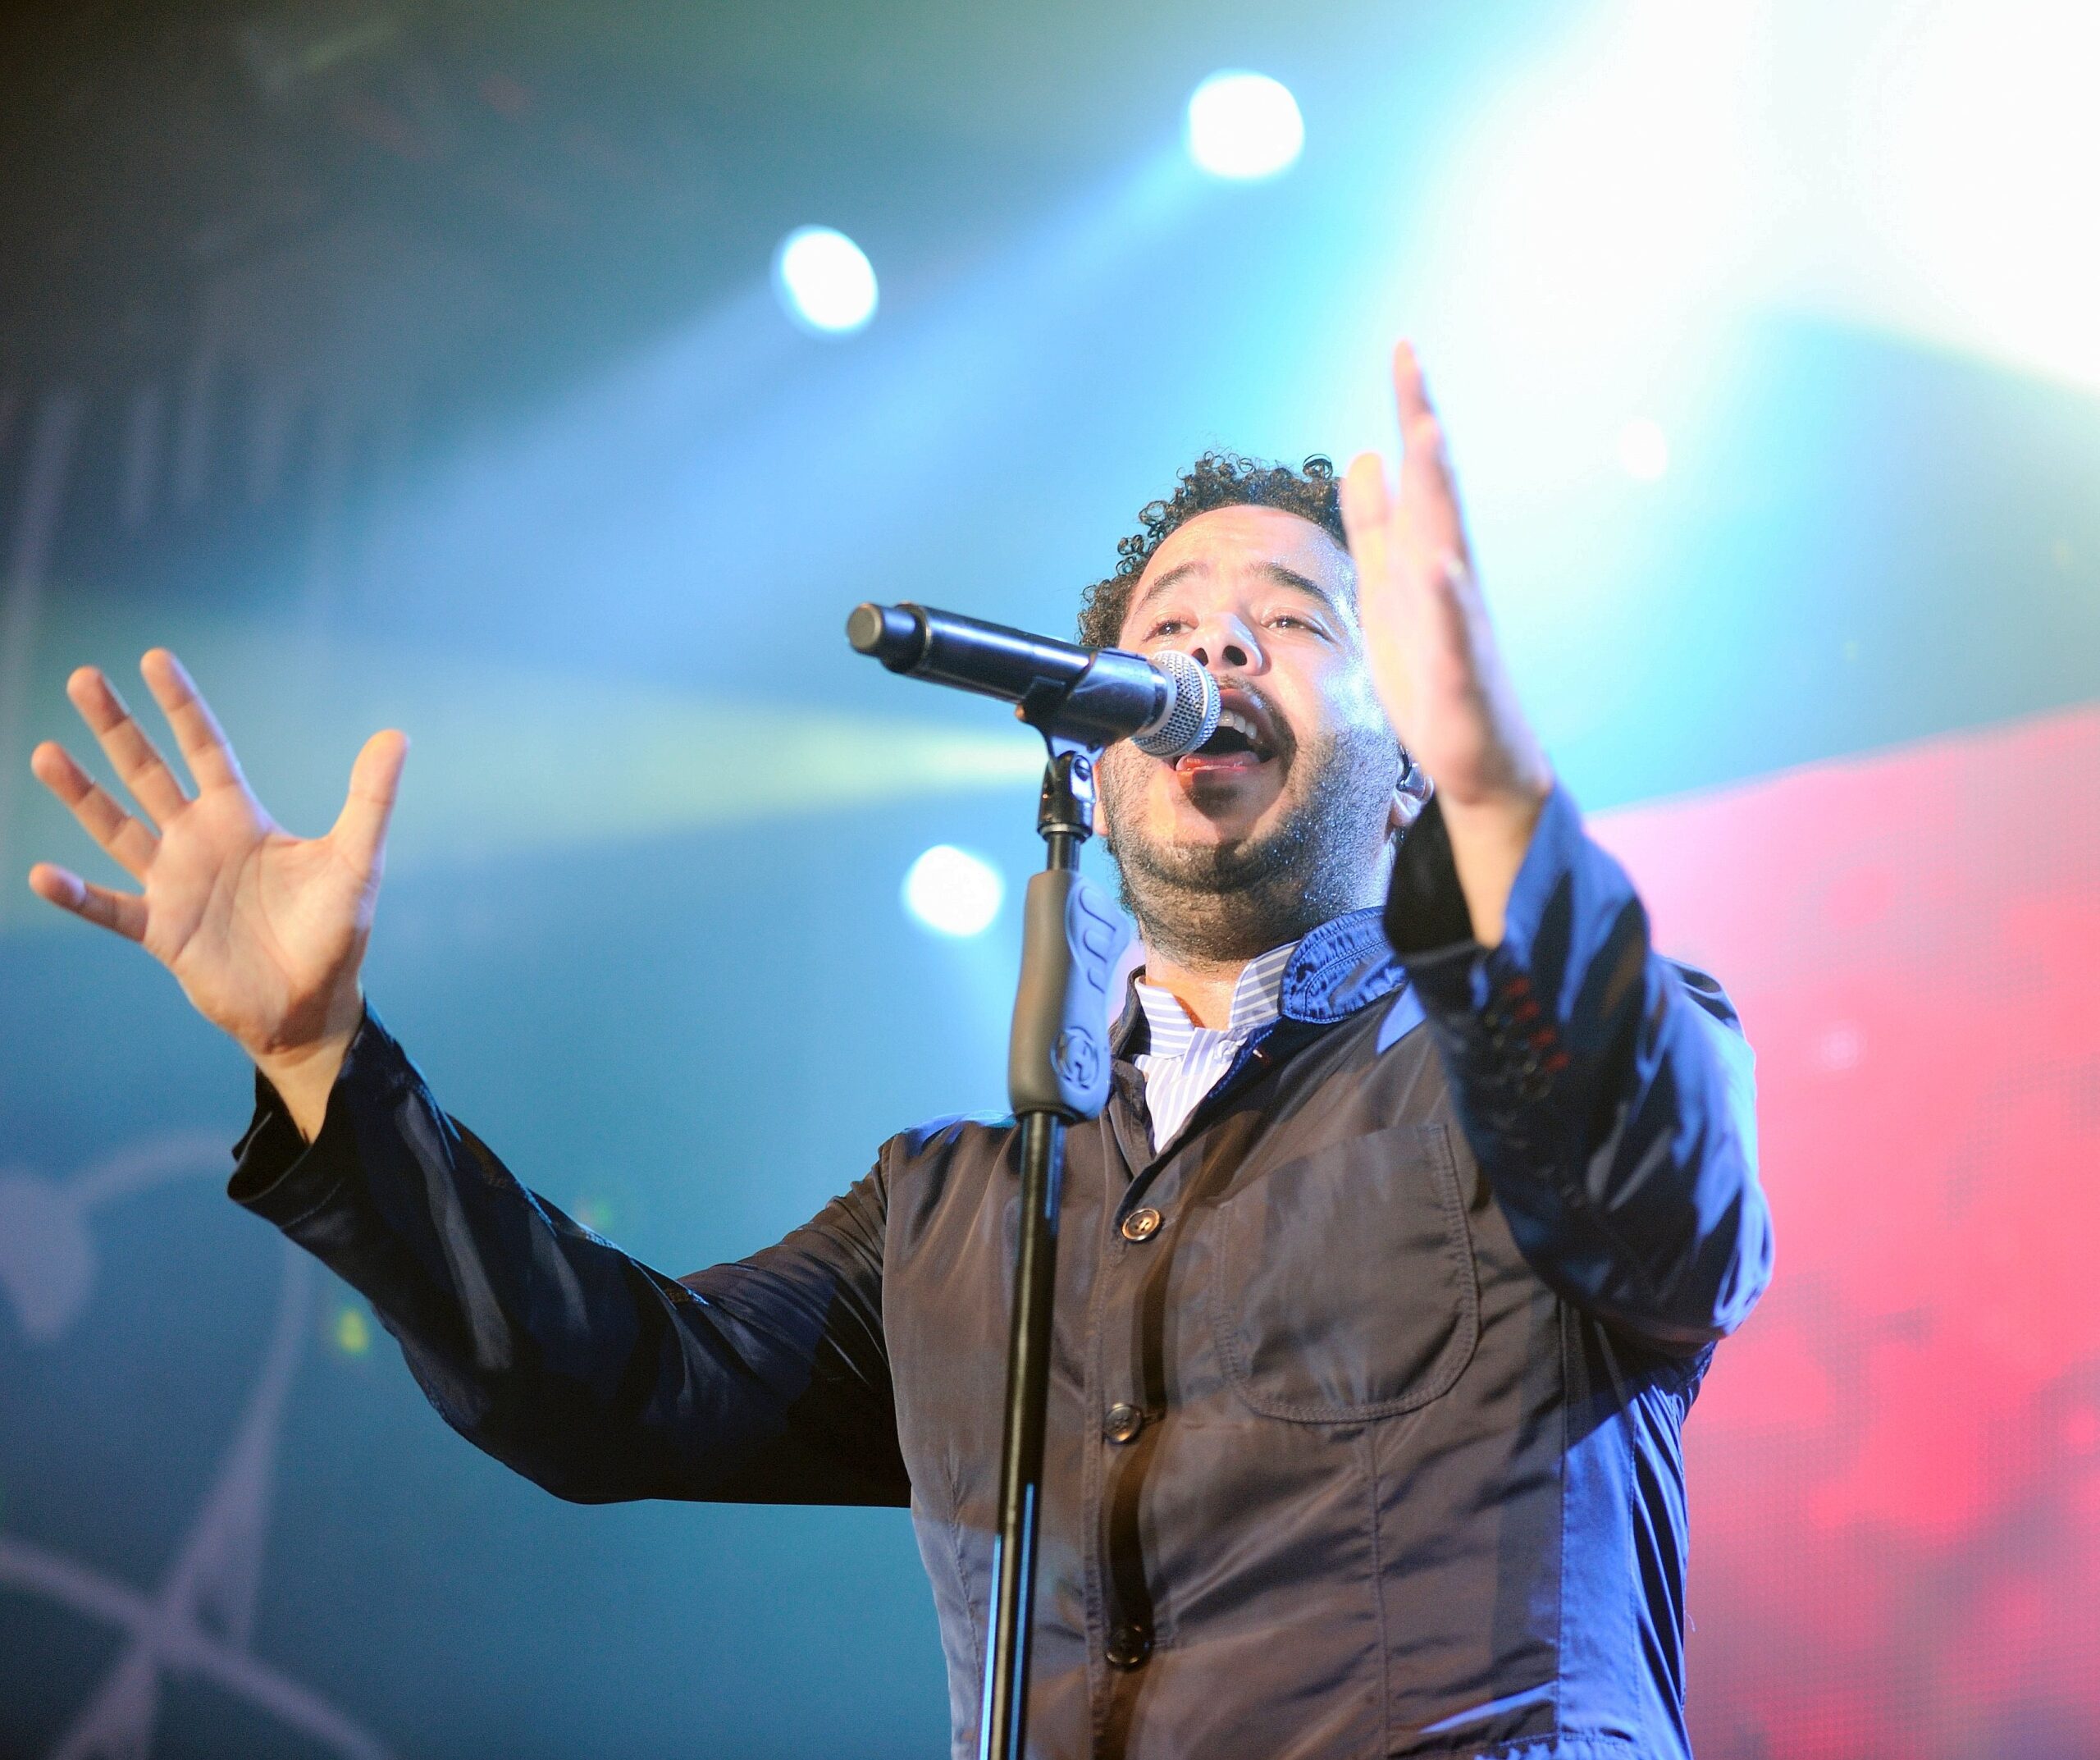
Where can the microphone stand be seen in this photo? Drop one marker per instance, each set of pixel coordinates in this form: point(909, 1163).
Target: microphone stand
point(1057, 1061)
point(1058, 1074)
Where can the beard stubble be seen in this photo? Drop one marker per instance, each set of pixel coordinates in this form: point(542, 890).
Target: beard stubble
point(1221, 904)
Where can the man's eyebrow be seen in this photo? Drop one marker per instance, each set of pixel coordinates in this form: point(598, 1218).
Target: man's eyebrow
point(1276, 571)
point(1159, 587)
point(1286, 577)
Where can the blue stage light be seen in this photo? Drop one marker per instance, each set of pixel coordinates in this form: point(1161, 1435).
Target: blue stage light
point(1244, 126)
point(825, 281)
point(952, 892)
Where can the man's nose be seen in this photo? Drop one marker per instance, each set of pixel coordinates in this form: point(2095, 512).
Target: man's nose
point(1226, 644)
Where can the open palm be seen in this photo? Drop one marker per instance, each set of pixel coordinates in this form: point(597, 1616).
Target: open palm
point(1433, 658)
point(264, 931)
point(1432, 650)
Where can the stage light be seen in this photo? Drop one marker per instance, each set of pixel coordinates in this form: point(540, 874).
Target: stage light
point(952, 892)
point(826, 282)
point(1644, 449)
point(352, 1332)
point(1244, 126)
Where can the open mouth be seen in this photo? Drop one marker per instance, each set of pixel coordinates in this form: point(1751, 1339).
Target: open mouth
point(1238, 743)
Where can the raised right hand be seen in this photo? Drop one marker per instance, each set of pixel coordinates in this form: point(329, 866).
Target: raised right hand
point(264, 931)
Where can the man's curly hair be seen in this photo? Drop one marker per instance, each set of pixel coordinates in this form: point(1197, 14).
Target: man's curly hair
point(1216, 479)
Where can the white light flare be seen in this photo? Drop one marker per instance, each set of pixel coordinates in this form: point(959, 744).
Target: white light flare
point(1245, 127)
point(954, 893)
point(1603, 217)
point(1644, 449)
point(1957, 165)
point(825, 282)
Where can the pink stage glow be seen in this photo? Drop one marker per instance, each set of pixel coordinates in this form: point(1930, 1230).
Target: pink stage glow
point(1895, 1467)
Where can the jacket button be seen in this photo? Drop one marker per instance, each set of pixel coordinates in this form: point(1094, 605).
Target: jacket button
point(1141, 1224)
point(1129, 1646)
point(1124, 1423)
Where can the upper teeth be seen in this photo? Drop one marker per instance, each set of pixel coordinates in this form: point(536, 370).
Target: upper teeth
point(1240, 724)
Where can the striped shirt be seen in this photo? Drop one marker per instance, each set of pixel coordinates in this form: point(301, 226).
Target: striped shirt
point(1184, 1061)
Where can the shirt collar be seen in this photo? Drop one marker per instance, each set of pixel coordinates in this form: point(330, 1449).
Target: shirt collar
point(1344, 965)
point(1254, 1005)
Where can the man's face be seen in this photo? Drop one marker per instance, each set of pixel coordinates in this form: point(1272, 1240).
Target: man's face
point(1293, 800)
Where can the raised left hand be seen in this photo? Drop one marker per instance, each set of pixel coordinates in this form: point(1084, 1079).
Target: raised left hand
point(1433, 657)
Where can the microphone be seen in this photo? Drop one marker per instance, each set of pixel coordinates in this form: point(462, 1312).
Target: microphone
point(1166, 706)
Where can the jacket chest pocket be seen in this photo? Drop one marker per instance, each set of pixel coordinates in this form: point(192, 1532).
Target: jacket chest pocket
point(1344, 1282)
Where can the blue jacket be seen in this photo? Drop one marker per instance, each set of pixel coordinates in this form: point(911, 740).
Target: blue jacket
point(1365, 1388)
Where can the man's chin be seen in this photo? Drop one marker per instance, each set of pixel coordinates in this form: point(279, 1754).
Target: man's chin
point(1223, 837)
point(1218, 817)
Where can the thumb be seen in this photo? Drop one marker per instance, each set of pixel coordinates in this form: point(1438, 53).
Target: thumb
point(360, 829)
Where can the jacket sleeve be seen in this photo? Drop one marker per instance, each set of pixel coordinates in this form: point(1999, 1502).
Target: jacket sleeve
point(765, 1380)
point(1607, 1092)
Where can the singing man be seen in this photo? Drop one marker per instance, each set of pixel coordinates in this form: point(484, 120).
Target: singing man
point(1425, 1191)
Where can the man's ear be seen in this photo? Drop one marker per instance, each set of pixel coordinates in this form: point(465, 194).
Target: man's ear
point(1411, 793)
point(1100, 808)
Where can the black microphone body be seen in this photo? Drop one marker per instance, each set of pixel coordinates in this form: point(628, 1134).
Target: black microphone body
point(1167, 706)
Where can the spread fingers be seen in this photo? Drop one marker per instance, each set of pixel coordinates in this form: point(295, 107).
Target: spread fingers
point(124, 912)
point(1427, 488)
point(138, 764)
point(196, 729)
point(126, 839)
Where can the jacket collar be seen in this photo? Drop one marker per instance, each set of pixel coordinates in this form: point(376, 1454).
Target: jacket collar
point(1344, 965)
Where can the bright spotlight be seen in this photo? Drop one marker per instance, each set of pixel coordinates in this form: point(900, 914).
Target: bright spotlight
point(1644, 449)
point(1243, 125)
point(953, 892)
point(825, 281)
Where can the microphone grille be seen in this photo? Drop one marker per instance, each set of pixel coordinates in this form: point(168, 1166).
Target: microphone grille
point(1191, 718)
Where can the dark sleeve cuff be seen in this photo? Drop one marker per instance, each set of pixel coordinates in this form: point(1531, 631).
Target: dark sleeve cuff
point(1558, 845)
point(276, 1173)
point(1426, 911)
point(1425, 905)
point(1431, 930)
